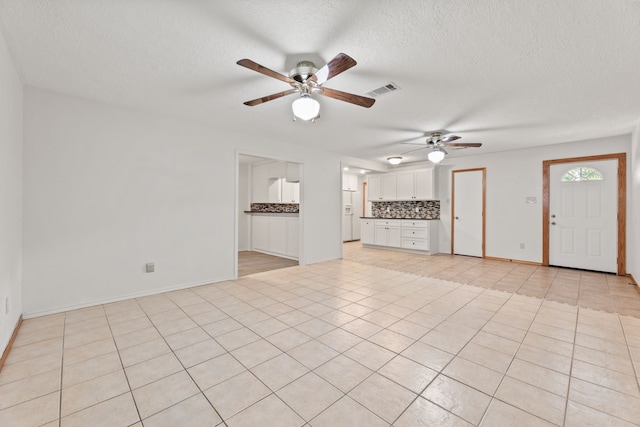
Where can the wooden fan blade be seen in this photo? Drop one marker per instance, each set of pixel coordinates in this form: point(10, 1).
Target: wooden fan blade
point(247, 63)
point(362, 101)
point(269, 97)
point(342, 62)
point(465, 144)
point(450, 138)
point(417, 149)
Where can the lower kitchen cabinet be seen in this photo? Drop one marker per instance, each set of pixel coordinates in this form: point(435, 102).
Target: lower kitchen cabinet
point(388, 233)
point(415, 235)
point(293, 238)
point(276, 235)
point(368, 231)
point(401, 234)
point(260, 233)
point(278, 238)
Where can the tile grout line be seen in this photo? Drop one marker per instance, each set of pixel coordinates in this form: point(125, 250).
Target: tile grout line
point(511, 362)
point(184, 368)
point(631, 358)
point(573, 352)
point(314, 288)
point(226, 352)
point(455, 355)
point(64, 326)
point(115, 344)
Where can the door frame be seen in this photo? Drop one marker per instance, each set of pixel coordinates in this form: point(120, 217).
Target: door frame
point(622, 203)
point(236, 209)
point(484, 204)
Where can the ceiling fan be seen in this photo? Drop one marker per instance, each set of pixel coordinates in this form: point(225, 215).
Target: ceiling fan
point(436, 142)
point(305, 79)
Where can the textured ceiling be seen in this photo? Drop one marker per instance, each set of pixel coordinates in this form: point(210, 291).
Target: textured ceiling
point(507, 73)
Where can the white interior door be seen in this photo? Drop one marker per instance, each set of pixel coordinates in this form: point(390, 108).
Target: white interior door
point(468, 188)
point(583, 211)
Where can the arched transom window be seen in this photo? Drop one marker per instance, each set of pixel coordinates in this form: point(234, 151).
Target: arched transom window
point(582, 173)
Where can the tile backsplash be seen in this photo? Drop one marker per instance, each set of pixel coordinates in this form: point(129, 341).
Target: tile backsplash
point(275, 207)
point(423, 209)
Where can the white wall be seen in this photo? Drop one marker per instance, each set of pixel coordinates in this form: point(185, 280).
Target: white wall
point(633, 258)
point(511, 177)
point(10, 196)
point(107, 190)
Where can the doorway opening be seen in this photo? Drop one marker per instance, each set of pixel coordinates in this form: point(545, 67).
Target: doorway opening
point(268, 214)
point(590, 238)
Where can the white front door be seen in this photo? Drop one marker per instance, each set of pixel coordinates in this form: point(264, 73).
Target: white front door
point(583, 215)
point(467, 212)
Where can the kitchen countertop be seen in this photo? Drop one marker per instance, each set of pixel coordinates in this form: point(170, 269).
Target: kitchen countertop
point(272, 213)
point(412, 219)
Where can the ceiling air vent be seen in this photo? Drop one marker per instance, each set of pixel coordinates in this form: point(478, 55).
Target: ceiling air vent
point(390, 87)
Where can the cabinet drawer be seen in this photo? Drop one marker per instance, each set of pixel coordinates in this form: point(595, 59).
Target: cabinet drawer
point(420, 233)
point(393, 222)
point(418, 224)
point(417, 244)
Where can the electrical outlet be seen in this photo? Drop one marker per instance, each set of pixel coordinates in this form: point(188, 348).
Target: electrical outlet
point(149, 267)
point(521, 245)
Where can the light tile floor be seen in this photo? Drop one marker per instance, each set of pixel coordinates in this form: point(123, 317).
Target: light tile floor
point(343, 343)
point(606, 292)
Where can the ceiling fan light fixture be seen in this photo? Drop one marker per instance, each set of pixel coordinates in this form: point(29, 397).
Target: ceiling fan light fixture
point(306, 108)
point(394, 160)
point(436, 155)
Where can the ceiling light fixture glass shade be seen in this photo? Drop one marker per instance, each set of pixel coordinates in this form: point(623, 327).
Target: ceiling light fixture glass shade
point(305, 107)
point(395, 160)
point(436, 155)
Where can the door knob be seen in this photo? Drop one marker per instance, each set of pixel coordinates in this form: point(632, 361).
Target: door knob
point(457, 218)
point(553, 215)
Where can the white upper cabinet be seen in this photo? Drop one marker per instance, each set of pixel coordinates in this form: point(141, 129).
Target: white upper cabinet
point(260, 184)
point(349, 182)
point(424, 184)
point(277, 170)
point(374, 188)
point(292, 172)
point(290, 192)
point(389, 186)
point(381, 187)
point(275, 191)
point(414, 185)
point(405, 185)
point(268, 187)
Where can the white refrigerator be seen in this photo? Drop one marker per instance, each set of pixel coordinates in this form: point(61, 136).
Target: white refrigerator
point(351, 210)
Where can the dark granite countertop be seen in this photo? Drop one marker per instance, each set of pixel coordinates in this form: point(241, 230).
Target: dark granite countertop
point(412, 219)
point(271, 213)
